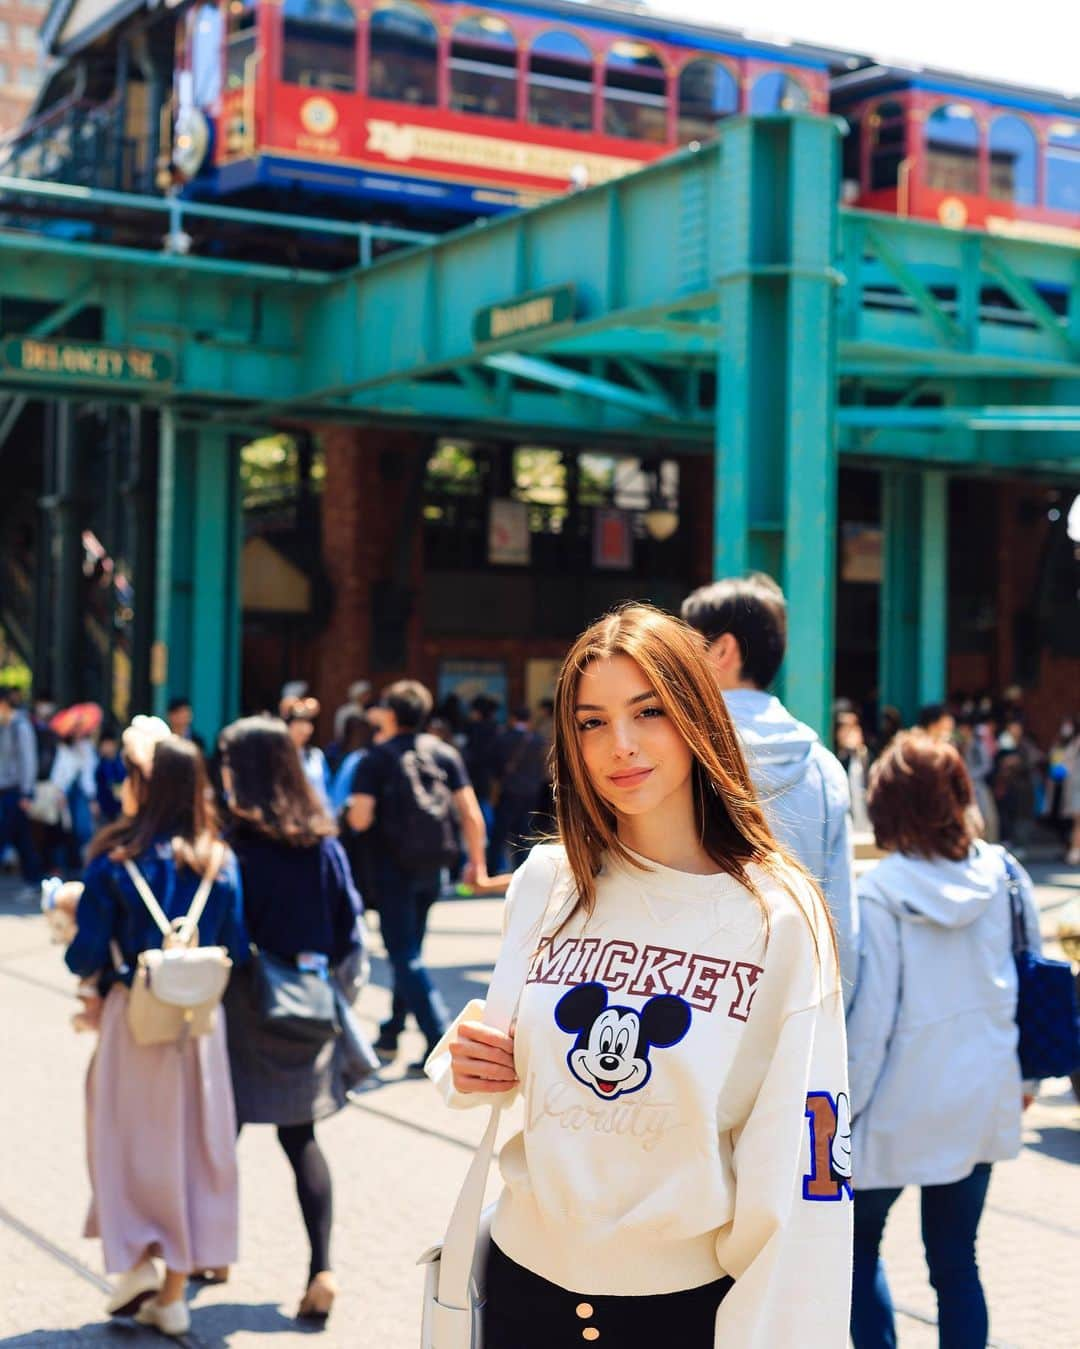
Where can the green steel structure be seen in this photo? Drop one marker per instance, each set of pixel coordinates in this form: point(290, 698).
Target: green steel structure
point(719, 300)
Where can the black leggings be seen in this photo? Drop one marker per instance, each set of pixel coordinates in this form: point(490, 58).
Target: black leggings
point(313, 1188)
point(525, 1311)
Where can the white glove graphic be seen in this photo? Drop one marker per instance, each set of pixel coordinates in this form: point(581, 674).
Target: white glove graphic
point(840, 1154)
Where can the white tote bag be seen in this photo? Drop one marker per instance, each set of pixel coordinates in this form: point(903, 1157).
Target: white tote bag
point(454, 1281)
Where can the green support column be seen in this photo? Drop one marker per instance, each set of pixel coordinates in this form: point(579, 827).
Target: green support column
point(914, 589)
point(775, 437)
point(198, 601)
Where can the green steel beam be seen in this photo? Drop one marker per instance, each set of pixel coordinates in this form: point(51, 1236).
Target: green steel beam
point(933, 643)
point(775, 459)
point(914, 592)
point(1031, 417)
point(571, 381)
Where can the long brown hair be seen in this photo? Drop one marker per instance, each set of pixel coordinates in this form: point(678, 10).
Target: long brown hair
point(732, 826)
point(270, 792)
point(174, 802)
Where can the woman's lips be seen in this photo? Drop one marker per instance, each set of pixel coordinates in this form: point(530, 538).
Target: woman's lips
point(631, 779)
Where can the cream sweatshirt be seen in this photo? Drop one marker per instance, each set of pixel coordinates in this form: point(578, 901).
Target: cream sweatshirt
point(685, 1102)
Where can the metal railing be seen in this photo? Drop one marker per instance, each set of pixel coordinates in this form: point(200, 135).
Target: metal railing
point(178, 210)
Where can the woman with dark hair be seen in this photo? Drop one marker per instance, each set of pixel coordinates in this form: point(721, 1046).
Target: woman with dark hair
point(936, 1095)
point(679, 1043)
point(301, 906)
point(160, 1123)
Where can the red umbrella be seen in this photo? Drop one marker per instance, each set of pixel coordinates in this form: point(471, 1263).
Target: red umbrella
point(78, 719)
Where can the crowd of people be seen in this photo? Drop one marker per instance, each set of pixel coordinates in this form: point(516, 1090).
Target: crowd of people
point(700, 930)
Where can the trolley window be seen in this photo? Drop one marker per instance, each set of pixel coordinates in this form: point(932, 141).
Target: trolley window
point(404, 54)
point(1063, 166)
point(888, 146)
point(635, 93)
point(1014, 156)
point(708, 92)
point(952, 149)
point(320, 44)
point(239, 41)
point(777, 92)
point(483, 67)
point(561, 82)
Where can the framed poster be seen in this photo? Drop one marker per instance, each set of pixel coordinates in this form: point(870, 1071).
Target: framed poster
point(613, 540)
point(540, 676)
point(467, 679)
point(508, 533)
point(860, 552)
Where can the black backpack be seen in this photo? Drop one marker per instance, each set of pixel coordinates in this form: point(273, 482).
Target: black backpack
point(414, 816)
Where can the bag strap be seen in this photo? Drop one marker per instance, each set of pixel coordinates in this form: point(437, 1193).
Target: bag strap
point(1016, 905)
point(191, 920)
point(507, 984)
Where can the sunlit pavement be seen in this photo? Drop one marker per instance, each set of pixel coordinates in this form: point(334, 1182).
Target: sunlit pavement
point(397, 1158)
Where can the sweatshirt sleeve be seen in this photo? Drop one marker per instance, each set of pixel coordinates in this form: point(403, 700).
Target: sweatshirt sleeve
point(438, 1066)
point(788, 1246)
point(872, 1015)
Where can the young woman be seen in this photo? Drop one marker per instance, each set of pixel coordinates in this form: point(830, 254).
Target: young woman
point(300, 903)
point(300, 716)
point(165, 1102)
point(679, 1043)
point(935, 1082)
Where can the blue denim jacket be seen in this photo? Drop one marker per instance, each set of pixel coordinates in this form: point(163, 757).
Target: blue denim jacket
point(111, 910)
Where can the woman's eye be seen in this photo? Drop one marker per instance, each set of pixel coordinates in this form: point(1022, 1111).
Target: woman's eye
point(652, 712)
point(588, 724)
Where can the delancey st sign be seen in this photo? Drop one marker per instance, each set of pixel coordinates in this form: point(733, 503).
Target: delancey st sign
point(87, 362)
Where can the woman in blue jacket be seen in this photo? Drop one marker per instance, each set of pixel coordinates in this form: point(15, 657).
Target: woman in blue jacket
point(300, 905)
point(172, 1102)
point(936, 1095)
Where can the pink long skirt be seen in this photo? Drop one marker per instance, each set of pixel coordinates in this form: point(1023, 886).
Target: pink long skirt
point(161, 1147)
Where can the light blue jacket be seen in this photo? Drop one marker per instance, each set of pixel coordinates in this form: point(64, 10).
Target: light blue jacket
point(935, 1080)
point(804, 791)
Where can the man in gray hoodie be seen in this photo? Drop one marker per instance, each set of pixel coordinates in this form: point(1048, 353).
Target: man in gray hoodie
point(18, 771)
point(802, 786)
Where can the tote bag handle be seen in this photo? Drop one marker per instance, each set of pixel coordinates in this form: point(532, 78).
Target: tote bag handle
point(507, 984)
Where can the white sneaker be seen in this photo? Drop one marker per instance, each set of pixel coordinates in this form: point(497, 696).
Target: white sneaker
point(171, 1318)
point(132, 1289)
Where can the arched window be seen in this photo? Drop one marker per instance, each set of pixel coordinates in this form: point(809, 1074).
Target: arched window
point(888, 144)
point(239, 41)
point(483, 67)
point(952, 149)
point(708, 92)
point(561, 82)
point(777, 92)
point(319, 44)
point(403, 64)
point(635, 93)
point(1014, 154)
point(1063, 166)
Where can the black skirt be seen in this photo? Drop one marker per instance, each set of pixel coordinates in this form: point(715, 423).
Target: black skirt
point(278, 1081)
point(524, 1311)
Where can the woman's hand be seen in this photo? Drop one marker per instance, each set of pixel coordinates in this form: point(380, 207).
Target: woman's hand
point(482, 1059)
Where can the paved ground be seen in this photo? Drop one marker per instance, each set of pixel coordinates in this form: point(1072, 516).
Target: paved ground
point(397, 1159)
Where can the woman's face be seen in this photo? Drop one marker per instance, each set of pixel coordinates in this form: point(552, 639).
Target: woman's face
point(635, 758)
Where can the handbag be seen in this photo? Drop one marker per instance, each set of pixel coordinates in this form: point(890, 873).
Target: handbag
point(454, 1270)
point(294, 1003)
point(1046, 1006)
point(358, 1059)
point(176, 988)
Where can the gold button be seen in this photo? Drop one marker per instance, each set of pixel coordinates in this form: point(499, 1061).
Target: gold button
point(584, 1310)
point(590, 1333)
